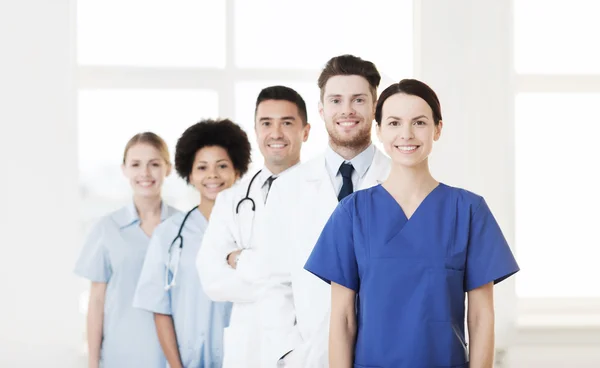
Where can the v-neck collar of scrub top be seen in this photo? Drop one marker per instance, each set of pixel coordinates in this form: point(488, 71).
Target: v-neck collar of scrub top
point(128, 215)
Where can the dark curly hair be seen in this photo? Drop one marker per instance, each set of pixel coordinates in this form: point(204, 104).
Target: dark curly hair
point(223, 133)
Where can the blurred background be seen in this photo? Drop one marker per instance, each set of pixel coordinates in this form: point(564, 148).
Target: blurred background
point(519, 84)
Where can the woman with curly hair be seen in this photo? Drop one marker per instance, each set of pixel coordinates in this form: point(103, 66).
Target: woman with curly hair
point(211, 156)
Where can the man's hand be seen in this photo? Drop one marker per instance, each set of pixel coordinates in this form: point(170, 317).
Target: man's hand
point(232, 258)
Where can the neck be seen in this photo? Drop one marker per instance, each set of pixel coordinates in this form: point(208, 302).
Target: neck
point(278, 169)
point(410, 181)
point(206, 207)
point(147, 207)
point(348, 153)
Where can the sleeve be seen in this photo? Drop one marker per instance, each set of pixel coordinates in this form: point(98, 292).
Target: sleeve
point(333, 258)
point(219, 281)
point(94, 262)
point(489, 258)
point(150, 293)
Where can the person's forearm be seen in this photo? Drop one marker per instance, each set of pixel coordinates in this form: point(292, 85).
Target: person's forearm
point(168, 339)
point(95, 320)
point(342, 337)
point(481, 336)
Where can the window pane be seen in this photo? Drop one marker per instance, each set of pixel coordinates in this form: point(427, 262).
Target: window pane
point(109, 118)
point(245, 97)
point(553, 37)
point(305, 34)
point(151, 33)
point(557, 199)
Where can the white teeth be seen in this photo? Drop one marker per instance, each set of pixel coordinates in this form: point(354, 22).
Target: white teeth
point(406, 148)
point(347, 123)
point(276, 145)
point(212, 186)
point(145, 183)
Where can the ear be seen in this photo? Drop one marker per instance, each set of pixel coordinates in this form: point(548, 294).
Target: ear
point(305, 132)
point(321, 110)
point(169, 169)
point(438, 131)
point(123, 168)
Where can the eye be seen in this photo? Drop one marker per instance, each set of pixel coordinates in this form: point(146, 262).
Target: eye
point(156, 164)
point(135, 164)
point(394, 123)
point(360, 100)
point(420, 122)
point(288, 123)
point(202, 168)
point(335, 101)
point(266, 123)
point(223, 166)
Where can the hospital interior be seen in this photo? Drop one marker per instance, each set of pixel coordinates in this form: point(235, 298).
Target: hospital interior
point(518, 81)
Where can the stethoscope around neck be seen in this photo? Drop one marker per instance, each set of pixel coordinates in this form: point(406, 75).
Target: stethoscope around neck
point(174, 257)
point(247, 197)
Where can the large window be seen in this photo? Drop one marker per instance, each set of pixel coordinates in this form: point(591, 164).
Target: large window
point(557, 94)
point(162, 66)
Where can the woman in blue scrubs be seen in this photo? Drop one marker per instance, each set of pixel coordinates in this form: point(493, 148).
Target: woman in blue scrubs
point(211, 156)
point(112, 257)
point(401, 256)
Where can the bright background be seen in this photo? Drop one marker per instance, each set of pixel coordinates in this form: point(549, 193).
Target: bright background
point(519, 83)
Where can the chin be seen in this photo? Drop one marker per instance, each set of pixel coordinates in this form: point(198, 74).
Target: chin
point(147, 193)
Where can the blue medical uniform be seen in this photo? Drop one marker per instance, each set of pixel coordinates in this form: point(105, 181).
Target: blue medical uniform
point(199, 322)
point(114, 254)
point(411, 275)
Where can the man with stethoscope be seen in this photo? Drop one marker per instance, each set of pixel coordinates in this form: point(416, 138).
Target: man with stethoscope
point(262, 327)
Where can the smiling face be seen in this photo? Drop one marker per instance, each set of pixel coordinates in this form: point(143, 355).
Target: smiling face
point(407, 129)
point(212, 172)
point(146, 169)
point(348, 110)
point(280, 132)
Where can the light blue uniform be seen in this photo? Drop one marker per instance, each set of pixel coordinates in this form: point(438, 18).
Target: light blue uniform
point(411, 275)
point(114, 253)
point(199, 322)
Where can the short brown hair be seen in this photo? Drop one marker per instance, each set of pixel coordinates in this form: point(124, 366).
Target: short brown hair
point(152, 139)
point(350, 65)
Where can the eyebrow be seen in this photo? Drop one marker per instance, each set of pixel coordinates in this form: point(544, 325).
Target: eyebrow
point(415, 118)
point(354, 95)
point(205, 162)
point(281, 118)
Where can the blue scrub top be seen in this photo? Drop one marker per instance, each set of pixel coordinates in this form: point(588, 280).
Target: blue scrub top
point(411, 275)
point(199, 322)
point(114, 253)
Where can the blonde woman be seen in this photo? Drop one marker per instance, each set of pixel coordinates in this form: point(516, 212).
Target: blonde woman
point(112, 258)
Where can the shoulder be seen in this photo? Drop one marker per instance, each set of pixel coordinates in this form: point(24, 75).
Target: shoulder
point(238, 189)
point(466, 199)
point(301, 172)
point(353, 202)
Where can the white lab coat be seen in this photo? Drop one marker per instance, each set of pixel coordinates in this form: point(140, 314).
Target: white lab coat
point(261, 329)
point(300, 206)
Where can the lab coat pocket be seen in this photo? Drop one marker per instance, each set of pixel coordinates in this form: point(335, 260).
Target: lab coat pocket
point(446, 346)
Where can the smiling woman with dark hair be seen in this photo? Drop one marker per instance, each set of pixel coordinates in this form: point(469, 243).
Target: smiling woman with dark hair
point(408, 251)
point(210, 155)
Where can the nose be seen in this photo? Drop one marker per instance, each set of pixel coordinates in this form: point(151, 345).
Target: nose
point(212, 172)
point(348, 109)
point(407, 132)
point(277, 131)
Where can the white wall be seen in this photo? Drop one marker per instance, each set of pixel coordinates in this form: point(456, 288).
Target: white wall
point(464, 54)
point(39, 217)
